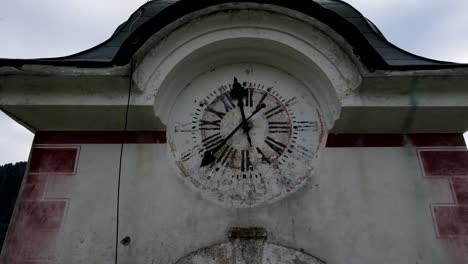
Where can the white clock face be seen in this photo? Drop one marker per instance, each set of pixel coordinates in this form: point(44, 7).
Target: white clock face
point(244, 135)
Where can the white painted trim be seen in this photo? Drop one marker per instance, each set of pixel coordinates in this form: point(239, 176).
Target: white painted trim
point(304, 50)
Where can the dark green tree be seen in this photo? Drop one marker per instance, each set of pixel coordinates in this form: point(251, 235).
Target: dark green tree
point(11, 176)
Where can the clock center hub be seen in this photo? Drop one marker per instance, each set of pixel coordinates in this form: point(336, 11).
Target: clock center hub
point(255, 127)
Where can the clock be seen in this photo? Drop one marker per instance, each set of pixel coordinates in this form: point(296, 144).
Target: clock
point(244, 135)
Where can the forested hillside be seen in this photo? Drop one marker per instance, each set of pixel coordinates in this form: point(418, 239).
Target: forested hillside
point(11, 176)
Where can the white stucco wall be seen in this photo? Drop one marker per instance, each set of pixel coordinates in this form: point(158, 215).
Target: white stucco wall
point(367, 205)
point(88, 231)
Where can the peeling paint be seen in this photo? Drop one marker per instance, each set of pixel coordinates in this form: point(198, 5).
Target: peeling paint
point(182, 168)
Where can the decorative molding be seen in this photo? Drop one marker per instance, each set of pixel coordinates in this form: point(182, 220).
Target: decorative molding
point(100, 137)
point(394, 140)
point(334, 140)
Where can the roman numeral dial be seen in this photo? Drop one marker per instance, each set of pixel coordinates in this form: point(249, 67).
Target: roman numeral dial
point(225, 131)
point(210, 125)
point(275, 145)
point(241, 141)
point(279, 127)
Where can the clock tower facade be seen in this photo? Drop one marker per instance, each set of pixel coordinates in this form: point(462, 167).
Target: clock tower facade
point(223, 131)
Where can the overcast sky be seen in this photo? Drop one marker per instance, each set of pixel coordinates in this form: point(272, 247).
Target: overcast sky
point(48, 28)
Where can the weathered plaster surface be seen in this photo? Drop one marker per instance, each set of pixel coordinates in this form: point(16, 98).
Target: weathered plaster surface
point(65, 98)
point(89, 229)
point(366, 205)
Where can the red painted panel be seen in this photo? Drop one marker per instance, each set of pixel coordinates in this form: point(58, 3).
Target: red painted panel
point(53, 160)
point(435, 140)
point(364, 140)
point(11, 260)
point(451, 220)
point(34, 187)
point(41, 215)
point(37, 220)
point(100, 137)
point(31, 245)
point(32, 235)
point(29, 262)
point(460, 187)
point(394, 140)
point(444, 163)
point(334, 140)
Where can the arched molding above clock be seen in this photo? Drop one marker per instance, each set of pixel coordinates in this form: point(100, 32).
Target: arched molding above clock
point(262, 34)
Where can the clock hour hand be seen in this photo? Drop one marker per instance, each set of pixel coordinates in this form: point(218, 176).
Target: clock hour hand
point(209, 157)
point(239, 92)
point(245, 126)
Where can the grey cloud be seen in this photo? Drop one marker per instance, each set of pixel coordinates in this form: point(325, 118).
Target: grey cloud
point(50, 28)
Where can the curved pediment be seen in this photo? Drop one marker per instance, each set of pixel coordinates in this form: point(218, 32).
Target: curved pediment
point(255, 34)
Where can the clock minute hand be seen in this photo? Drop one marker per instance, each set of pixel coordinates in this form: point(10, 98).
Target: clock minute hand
point(239, 92)
point(209, 157)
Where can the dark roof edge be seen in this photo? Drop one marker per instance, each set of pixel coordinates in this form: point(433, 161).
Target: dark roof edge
point(168, 11)
point(311, 8)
